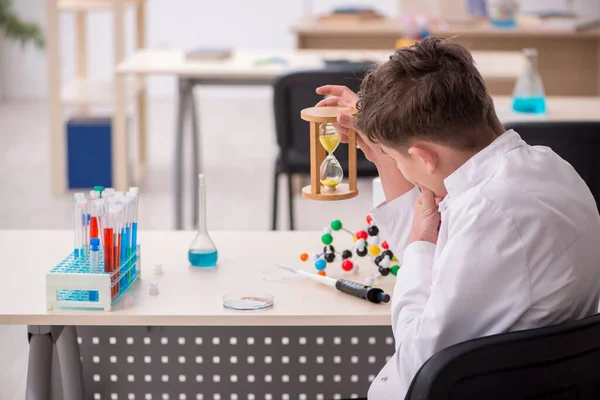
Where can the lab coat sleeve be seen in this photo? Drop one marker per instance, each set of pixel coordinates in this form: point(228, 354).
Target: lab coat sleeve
point(481, 287)
point(394, 219)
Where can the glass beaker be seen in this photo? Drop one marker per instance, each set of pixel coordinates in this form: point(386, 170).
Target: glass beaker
point(203, 252)
point(528, 95)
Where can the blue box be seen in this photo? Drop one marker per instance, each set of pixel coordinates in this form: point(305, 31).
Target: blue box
point(89, 156)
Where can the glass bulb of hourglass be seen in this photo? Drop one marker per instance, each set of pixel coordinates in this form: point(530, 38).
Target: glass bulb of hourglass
point(331, 172)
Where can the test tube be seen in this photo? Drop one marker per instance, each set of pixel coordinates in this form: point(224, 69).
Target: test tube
point(108, 192)
point(100, 210)
point(96, 213)
point(118, 222)
point(94, 195)
point(110, 202)
point(119, 195)
point(107, 227)
point(126, 234)
point(134, 193)
point(86, 228)
point(80, 223)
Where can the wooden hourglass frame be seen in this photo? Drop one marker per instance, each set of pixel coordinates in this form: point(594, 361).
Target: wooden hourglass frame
point(316, 191)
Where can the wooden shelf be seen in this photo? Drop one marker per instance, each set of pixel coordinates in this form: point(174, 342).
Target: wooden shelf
point(91, 5)
point(97, 92)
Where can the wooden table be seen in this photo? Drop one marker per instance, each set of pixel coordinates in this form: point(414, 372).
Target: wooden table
point(243, 69)
point(187, 296)
point(569, 61)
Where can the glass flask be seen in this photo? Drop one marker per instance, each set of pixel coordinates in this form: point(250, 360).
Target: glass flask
point(202, 252)
point(331, 170)
point(528, 95)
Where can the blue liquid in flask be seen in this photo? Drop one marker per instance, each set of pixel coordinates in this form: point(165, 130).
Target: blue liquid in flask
point(203, 258)
point(531, 105)
point(202, 253)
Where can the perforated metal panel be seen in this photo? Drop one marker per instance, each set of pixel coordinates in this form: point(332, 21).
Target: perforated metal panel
point(232, 363)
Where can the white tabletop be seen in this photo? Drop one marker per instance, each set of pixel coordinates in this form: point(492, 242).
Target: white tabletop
point(188, 296)
point(242, 64)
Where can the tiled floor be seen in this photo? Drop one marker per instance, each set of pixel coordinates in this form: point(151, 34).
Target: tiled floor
point(238, 153)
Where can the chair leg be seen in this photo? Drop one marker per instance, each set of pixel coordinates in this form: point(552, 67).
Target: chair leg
point(275, 198)
point(291, 201)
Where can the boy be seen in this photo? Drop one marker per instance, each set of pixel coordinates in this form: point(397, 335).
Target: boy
point(501, 237)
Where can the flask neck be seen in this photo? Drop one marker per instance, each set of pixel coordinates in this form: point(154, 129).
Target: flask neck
point(202, 228)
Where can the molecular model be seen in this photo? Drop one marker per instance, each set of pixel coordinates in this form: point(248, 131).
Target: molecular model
point(367, 243)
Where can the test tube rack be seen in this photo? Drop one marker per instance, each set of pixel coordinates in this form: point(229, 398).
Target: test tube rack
point(72, 284)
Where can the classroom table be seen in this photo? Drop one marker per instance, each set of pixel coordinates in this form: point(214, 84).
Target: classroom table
point(312, 330)
point(247, 67)
point(559, 109)
point(569, 61)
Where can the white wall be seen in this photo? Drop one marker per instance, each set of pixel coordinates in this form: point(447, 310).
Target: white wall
point(180, 24)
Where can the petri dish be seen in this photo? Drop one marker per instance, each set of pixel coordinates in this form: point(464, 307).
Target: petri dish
point(248, 301)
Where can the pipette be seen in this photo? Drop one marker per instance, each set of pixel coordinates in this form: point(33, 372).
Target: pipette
point(374, 295)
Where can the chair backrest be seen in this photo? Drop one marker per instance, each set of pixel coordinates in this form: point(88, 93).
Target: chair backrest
point(551, 363)
point(576, 142)
point(296, 91)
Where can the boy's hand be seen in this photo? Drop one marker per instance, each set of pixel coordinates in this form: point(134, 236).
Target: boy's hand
point(341, 96)
point(426, 221)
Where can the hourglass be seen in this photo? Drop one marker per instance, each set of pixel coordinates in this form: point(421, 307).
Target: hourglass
point(326, 173)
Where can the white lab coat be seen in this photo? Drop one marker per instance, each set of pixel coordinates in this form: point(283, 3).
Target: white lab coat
point(518, 248)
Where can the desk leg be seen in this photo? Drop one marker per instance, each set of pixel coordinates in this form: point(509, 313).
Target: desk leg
point(196, 162)
point(184, 89)
point(39, 370)
point(70, 364)
point(42, 357)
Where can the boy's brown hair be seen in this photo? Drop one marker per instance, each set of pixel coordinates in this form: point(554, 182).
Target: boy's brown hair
point(432, 91)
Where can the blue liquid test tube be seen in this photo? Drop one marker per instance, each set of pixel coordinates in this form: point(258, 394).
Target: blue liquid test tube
point(94, 264)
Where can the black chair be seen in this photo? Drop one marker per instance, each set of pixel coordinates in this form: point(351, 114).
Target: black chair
point(292, 93)
point(551, 363)
point(576, 142)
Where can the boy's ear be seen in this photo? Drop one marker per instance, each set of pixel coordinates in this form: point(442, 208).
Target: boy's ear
point(426, 155)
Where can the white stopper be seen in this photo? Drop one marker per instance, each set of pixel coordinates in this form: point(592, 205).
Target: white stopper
point(128, 301)
point(369, 281)
point(153, 289)
point(134, 189)
point(374, 240)
point(158, 269)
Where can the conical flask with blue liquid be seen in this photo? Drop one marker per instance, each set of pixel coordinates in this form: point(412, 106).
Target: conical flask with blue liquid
point(202, 252)
point(528, 95)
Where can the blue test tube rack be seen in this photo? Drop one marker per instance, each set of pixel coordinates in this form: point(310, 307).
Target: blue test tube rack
point(73, 284)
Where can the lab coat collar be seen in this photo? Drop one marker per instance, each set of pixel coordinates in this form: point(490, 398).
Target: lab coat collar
point(477, 167)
